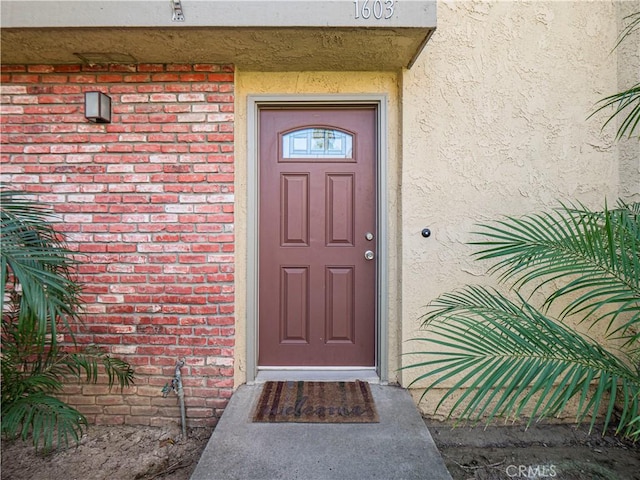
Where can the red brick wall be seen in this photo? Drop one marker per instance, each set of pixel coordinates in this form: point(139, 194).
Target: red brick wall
point(147, 202)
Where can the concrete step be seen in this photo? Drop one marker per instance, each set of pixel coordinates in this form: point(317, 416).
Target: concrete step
point(399, 447)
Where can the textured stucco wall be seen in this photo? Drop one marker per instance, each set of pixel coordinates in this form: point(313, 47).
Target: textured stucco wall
point(495, 122)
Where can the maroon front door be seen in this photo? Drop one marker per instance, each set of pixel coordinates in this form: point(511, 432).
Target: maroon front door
point(317, 217)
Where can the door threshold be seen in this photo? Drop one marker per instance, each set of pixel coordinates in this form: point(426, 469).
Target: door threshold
point(317, 374)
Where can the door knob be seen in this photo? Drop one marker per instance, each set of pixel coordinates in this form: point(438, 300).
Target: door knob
point(369, 255)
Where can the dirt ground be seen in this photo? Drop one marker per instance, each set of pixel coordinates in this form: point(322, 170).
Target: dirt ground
point(146, 453)
point(562, 452)
point(119, 452)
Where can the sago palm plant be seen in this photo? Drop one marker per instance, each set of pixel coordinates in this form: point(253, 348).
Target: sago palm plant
point(39, 299)
point(515, 358)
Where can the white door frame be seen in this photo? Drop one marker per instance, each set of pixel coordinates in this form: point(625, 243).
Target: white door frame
point(254, 103)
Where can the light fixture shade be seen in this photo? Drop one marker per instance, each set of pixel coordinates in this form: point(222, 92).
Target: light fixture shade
point(97, 107)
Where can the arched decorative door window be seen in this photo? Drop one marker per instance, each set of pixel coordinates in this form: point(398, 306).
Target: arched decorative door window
point(317, 142)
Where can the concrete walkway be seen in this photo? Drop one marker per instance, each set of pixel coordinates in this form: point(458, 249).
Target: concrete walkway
point(399, 447)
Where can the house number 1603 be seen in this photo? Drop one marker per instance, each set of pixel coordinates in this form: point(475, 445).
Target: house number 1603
point(377, 9)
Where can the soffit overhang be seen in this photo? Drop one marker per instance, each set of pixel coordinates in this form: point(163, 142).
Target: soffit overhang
point(277, 35)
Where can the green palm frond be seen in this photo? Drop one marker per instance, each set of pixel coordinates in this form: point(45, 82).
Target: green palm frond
point(634, 426)
point(626, 103)
point(633, 25)
point(46, 419)
point(35, 263)
point(594, 254)
point(509, 357)
point(36, 277)
point(29, 380)
point(91, 360)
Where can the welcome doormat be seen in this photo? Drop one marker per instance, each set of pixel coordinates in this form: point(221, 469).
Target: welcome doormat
point(316, 402)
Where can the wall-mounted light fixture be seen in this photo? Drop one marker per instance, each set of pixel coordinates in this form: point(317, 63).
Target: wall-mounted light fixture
point(97, 107)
